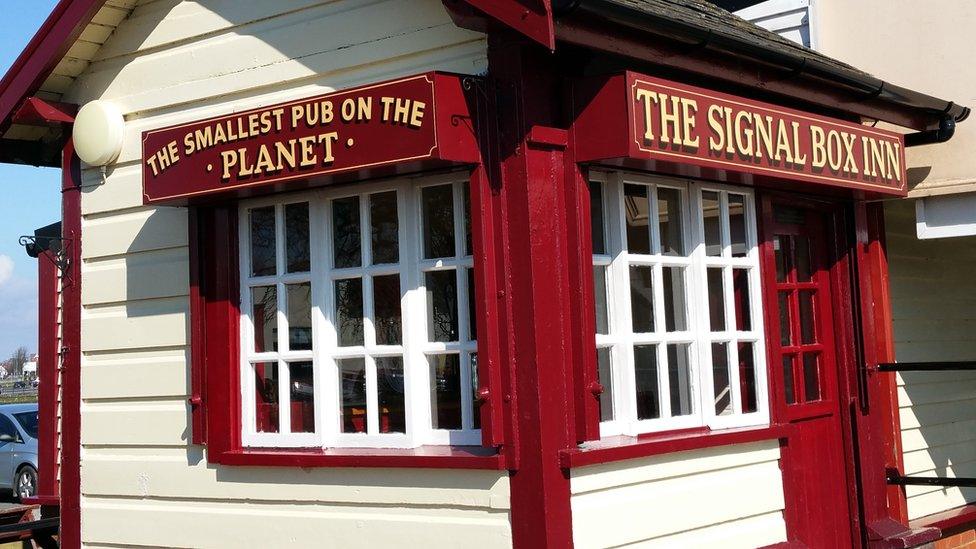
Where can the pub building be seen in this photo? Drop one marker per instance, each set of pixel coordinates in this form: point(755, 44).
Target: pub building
point(480, 273)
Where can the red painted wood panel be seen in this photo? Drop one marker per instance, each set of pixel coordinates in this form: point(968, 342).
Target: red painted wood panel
point(48, 353)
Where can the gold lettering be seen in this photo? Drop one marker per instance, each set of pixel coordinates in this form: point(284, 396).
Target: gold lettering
point(817, 142)
point(645, 97)
point(717, 140)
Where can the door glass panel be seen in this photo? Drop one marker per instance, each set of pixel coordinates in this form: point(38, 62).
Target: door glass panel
point(346, 237)
point(781, 248)
point(807, 318)
point(638, 209)
point(716, 299)
point(445, 391)
point(605, 377)
point(384, 228)
point(785, 337)
point(386, 305)
point(349, 311)
point(712, 217)
point(438, 220)
point(299, 316)
point(743, 311)
point(737, 224)
point(302, 397)
point(789, 387)
point(679, 379)
point(389, 388)
point(803, 267)
point(641, 299)
point(811, 376)
point(596, 218)
point(296, 237)
point(674, 299)
point(352, 378)
point(645, 370)
point(266, 397)
point(263, 243)
point(264, 312)
point(669, 221)
point(600, 299)
point(747, 377)
point(721, 379)
point(442, 304)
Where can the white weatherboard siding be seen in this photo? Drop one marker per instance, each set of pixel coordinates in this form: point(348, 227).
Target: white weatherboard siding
point(143, 483)
point(933, 295)
point(728, 497)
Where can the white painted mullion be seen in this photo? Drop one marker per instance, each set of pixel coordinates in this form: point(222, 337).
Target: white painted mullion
point(372, 397)
point(706, 399)
point(414, 310)
point(284, 397)
point(329, 339)
point(653, 222)
point(624, 377)
point(322, 390)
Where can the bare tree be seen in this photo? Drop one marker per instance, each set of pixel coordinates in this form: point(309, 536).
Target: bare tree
point(18, 359)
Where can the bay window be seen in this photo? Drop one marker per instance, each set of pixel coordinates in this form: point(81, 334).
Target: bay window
point(679, 336)
point(357, 322)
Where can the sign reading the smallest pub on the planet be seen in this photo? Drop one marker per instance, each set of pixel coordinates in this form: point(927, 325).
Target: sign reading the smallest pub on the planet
point(355, 129)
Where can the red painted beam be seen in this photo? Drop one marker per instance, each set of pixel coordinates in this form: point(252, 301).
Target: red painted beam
point(532, 18)
point(38, 112)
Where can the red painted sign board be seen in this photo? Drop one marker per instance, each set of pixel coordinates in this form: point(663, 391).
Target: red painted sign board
point(419, 120)
point(635, 118)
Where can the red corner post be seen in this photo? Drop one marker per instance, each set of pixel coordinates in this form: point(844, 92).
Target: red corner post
point(535, 251)
point(48, 352)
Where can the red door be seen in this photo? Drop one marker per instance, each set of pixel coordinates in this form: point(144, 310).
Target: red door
point(804, 370)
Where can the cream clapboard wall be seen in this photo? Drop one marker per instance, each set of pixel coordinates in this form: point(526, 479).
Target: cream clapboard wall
point(143, 484)
point(729, 497)
point(933, 295)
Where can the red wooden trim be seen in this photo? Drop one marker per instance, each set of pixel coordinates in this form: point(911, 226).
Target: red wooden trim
point(41, 500)
point(47, 371)
point(71, 348)
point(37, 111)
point(949, 522)
point(198, 337)
point(43, 53)
point(429, 457)
point(623, 448)
point(532, 18)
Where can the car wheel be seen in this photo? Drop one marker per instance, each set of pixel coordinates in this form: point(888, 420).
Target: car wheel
point(25, 485)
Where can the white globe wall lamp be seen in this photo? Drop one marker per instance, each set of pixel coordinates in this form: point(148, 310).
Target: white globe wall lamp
point(99, 130)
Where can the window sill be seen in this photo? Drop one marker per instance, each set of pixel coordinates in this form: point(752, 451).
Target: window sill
point(949, 522)
point(430, 457)
point(622, 447)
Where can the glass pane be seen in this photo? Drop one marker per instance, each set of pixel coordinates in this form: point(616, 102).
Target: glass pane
point(669, 221)
point(389, 388)
point(263, 244)
point(264, 310)
point(386, 304)
point(803, 270)
point(600, 299)
point(720, 379)
point(808, 332)
point(789, 387)
point(466, 198)
point(442, 313)
point(712, 219)
point(266, 397)
point(638, 209)
point(737, 225)
point(785, 333)
point(476, 412)
point(641, 299)
point(346, 237)
point(296, 238)
point(674, 299)
point(349, 311)
point(747, 378)
point(299, 316)
point(679, 379)
point(811, 376)
point(384, 228)
point(781, 248)
point(596, 218)
point(472, 309)
point(438, 211)
point(302, 397)
point(716, 299)
point(445, 391)
point(645, 374)
point(605, 377)
point(743, 311)
point(352, 376)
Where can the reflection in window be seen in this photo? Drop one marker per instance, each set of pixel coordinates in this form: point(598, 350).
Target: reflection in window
point(266, 397)
point(302, 397)
point(263, 242)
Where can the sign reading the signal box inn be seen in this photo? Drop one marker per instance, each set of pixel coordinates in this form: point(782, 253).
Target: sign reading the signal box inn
point(723, 135)
point(416, 119)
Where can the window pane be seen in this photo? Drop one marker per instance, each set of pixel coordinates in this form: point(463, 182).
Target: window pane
point(597, 222)
point(263, 244)
point(638, 208)
point(674, 299)
point(747, 378)
point(785, 332)
point(737, 224)
point(472, 309)
point(476, 412)
point(266, 397)
point(302, 397)
point(781, 248)
point(720, 378)
point(296, 237)
point(712, 219)
point(807, 320)
point(716, 300)
point(299, 316)
point(669, 221)
point(605, 377)
point(811, 376)
point(346, 237)
point(600, 299)
point(466, 212)
point(384, 228)
point(438, 211)
point(386, 305)
point(679, 379)
point(445, 391)
point(349, 311)
point(803, 270)
point(641, 299)
point(352, 376)
point(442, 313)
point(389, 387)
point(743, 310)
point(789, 387)
point(645, 375)
point(264, 307)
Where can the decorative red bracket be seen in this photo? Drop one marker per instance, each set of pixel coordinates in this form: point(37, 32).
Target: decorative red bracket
point(35, 111)
point(533, 18)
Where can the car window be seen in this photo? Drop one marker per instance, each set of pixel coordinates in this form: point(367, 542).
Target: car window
point(7, 427)
point(28, 421)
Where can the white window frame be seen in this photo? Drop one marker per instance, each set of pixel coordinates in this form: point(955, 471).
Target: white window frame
point(415, 346)
point(699, 337)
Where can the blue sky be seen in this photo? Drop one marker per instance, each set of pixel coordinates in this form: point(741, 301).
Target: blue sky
point(30, 199)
